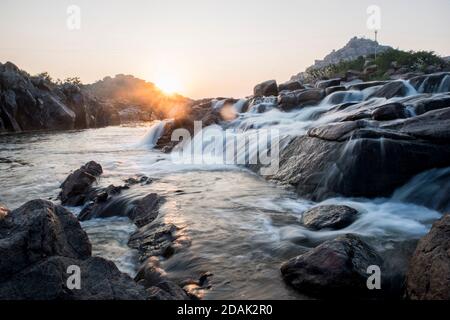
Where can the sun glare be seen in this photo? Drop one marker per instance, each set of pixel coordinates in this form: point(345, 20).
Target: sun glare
point(168, 85)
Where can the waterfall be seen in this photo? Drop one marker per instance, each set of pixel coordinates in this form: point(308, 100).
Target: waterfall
point(154, 133)
point(430, 189)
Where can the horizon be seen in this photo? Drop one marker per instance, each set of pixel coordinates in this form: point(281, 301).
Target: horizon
point(204, 49)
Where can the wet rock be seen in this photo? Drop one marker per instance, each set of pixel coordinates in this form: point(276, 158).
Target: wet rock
point(76, 187)
point(365, 85)
point(334, 89)
point(333, 217)
point(328, 83)
point(336, 268)
point(390, 90)
point(145, 210)
point(38, 242)
point(3, 210)
point(265, 89)
point(300, 99)
point(428, 277)
point(290, 86)
point(154, 279)
point(390, 111)
point(432, 83)
point(365, 166)
point(158, 239)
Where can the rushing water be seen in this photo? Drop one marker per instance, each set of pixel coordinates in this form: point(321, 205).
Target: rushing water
point(240, 226)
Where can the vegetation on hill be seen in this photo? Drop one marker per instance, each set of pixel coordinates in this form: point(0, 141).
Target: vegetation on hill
point(383, 66)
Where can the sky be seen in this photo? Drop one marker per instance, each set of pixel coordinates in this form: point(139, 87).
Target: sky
point(205, 48)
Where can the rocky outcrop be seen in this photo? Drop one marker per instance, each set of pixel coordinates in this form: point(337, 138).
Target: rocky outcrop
point(298, 99)
point(265, 89)
point(329, 217)
point(38, 242)
point(35, 103)
point(336, 268)
point(428, 276)
point(76, 188)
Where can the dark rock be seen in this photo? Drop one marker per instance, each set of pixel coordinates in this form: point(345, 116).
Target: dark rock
point(38, 242)
point(36, 230)
point(431, 83)
point(365, 85)
point(370, 69)
point(390, 111)
point(351, 75)
point(331, 90)
point(333, 217)
point(267, 88)
point(428, 277)
point(76, 187)
point(323, 84)
point(390, 90)
point(300, 99)
point(290, 86)
point(336, 268)
point(46, 280)
point(152, 277)
point(145, 210)
point(366, 166)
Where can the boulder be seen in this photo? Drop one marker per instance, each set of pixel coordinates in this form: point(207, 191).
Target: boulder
point(333, 89)
point(390, 90)
point(432, 83)
point(390, 111)
point(336, 268)
point(77, 186)
point(154, 279)
point(332, 217)
point(323, 84)
point(300, 99)
point(372, 164)
point(265, 89)
point(38, 243)
point(290, 86)
point(428, 276)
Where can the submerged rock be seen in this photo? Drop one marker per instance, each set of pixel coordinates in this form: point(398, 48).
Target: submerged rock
point(77, 186)
point(428, 276)
point(38, 242)
point(336, 268)
point(329, 217)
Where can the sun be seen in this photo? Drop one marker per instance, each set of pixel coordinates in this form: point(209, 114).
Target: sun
point(168, 84)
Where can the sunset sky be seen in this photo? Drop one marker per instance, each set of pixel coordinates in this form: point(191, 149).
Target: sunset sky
point(205, 48)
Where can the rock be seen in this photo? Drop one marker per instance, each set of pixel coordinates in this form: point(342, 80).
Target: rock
point(428, 277)
point(371, 69)
point(265, 89)
point(290, 86)
point(34, 103)
point(351, 75)
point(328, 83)
point(300, 99)
point(157, 239)
point(331, 90)
point(336, 268)
point(46, 280)
point(141, 211)
point(36, 230)
point(390, 111)
point(145, 210)
point(366, 166)
point(3, 210)
point(365, 85)
point(333, 217)
point(38, 242)
point(390, 90)
point(76, 187)
point(432, 83)
point(152, 277)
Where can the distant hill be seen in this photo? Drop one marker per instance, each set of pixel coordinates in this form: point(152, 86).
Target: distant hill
point(355, 48)
point(126, 91)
